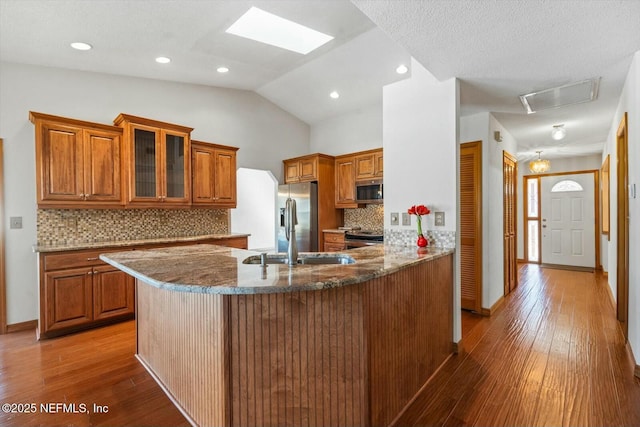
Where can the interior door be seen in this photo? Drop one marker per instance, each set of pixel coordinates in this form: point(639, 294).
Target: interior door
point(568, 220)
point(471, 225)
point(622, 267)
point(509, 200)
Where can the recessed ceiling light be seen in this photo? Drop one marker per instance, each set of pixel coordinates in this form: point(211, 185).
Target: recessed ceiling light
point(334, 95)
point(402, 69)
point(163, 60)
point(81, 46)
point(265, 27)
point(222, 70)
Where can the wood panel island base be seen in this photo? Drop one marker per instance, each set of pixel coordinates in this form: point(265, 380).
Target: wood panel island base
point(333, 345)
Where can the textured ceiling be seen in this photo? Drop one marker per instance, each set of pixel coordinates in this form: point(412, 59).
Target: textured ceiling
point(498, 49)
point(502, 49)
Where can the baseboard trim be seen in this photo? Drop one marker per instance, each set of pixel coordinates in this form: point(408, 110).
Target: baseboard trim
point(520, 260)
point(22, 326)
point(455, 346)
point(494, 307)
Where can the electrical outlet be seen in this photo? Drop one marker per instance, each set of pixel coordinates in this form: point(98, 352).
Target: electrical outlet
point(406, 218)
point(439, 219)
point(395, 218)
point(15, 222)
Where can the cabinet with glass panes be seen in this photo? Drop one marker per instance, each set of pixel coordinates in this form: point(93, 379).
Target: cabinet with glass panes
point(159, 162)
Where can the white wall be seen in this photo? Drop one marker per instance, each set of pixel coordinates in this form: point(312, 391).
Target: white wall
point(256, 208)
point(356, 131)
point(481, 127)
point(264, 133)
point(630, 103)
point(420, 141)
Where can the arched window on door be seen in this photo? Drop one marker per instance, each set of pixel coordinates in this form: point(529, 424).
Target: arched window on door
point(565, 186)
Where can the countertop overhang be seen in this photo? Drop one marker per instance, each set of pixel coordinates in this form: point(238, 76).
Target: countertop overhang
point(73, 246)
point(215, 269)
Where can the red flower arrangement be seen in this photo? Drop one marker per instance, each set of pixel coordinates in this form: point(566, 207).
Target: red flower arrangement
point(418, 211)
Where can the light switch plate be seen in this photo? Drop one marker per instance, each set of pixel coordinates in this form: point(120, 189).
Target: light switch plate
point(15, 222)
point(395, 218)
point(439, 219)
point(406, 218)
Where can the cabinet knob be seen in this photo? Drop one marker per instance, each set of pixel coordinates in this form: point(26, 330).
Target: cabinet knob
point(89, 272)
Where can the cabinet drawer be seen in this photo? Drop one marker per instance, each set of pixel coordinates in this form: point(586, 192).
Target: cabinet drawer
point(334, 238)
point(90, 258)
point(334, 247)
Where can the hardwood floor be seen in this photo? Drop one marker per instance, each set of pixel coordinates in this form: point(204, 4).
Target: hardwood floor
point(93, 367)
point(553, 354)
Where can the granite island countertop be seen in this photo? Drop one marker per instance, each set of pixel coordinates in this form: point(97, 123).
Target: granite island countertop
point(215, 269)
point(72, 246)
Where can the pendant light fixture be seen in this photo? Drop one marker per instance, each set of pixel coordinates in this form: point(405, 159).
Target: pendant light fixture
point(539, 166)
point(558, 132)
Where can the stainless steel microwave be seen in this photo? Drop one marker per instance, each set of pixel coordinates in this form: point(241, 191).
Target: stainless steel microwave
point(369, 191)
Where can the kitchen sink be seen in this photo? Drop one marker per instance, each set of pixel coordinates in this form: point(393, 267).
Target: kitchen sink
point(311, 259)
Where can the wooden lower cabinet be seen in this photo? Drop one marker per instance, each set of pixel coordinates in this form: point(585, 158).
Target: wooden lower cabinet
point(69, 299)
point(79, 298)
point(334, 242)
point(78, 291)
point(113, 293)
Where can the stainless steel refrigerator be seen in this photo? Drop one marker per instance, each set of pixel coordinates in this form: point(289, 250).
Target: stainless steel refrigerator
point(306, 196)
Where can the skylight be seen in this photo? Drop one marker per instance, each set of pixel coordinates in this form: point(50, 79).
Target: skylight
point(264, 27)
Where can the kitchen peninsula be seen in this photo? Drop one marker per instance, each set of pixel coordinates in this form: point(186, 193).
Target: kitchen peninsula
point(240, 344)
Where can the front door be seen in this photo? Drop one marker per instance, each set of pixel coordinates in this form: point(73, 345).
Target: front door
point(568, 220)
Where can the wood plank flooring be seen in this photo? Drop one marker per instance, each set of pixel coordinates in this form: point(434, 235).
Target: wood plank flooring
point(553, 354)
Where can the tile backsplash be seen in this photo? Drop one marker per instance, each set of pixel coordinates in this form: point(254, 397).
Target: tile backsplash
point(63, 226)
point(369, 218)
point(407, 237)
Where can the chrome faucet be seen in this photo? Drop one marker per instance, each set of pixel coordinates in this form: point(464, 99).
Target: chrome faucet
point(290, 221)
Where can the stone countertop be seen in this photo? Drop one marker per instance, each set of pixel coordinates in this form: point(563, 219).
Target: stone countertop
point(219, 270)
point(126, 243)
point(334, 230)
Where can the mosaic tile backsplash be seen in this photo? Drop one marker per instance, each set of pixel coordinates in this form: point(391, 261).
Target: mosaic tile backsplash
point(63, 226)
point(369, 218)
point(407, 237)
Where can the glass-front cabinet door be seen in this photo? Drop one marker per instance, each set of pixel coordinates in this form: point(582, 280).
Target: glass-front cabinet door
point(175, 167)
point(145, 155)
point(159, 162)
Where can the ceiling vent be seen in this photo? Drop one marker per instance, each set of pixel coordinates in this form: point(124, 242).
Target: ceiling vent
point(569, 94)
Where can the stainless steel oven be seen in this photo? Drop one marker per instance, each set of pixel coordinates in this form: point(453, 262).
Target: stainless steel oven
point(361, 238)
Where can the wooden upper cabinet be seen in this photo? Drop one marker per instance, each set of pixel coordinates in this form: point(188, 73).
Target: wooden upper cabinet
point(77, 162)
point(301, 169)
point(158, 162)
point(345, 181)
point(214, 175)
point(369, 165)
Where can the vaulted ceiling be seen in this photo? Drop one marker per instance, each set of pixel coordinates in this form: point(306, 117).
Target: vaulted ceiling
point(498, 49)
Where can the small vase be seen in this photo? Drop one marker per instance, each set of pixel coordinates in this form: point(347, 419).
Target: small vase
point(422, 241)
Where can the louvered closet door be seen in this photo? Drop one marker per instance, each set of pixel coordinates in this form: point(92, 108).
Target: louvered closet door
point(510, 176)
point(471, 225)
